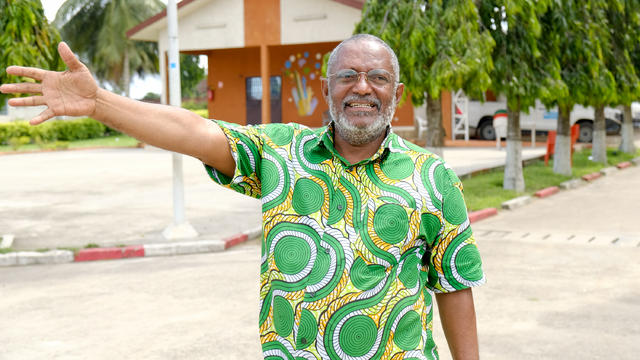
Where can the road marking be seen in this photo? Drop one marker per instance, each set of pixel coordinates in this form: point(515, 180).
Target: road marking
point(592, 239)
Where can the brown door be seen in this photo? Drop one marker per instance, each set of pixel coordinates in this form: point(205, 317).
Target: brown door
point(254, 99)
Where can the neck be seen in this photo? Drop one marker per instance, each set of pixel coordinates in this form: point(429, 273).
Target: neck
point(356, 153)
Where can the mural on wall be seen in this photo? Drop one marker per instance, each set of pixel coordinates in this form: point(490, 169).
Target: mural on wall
point(300, 69)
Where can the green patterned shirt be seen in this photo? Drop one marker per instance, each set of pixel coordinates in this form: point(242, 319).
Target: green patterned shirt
point(351, 254)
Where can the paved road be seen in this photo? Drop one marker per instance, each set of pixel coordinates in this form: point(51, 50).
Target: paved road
point(111, 197)
point(550, 298)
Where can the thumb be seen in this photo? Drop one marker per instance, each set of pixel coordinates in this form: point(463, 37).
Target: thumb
point(69, 57)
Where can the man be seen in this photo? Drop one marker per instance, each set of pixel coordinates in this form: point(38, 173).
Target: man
point(360, 226)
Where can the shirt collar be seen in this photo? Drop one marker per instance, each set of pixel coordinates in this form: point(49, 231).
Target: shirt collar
point(325, 139)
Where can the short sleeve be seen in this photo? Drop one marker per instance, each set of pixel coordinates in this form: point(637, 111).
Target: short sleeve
point(245, 143)
point(455, 262)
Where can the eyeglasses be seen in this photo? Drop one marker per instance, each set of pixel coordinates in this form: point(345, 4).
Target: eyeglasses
point(376, 77)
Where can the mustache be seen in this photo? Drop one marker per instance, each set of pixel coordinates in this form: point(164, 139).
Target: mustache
point(360, 98)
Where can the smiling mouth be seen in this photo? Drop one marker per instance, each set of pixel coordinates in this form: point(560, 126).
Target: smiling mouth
point(361, 106)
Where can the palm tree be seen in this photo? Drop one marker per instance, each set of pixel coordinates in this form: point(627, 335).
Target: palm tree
point(96, 29)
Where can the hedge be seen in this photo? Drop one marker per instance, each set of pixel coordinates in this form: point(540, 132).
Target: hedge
point(55, 130)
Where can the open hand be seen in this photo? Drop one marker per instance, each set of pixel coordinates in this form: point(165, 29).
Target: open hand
point(72, 92)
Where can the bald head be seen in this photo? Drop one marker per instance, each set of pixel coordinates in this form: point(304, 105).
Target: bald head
point(335, 54)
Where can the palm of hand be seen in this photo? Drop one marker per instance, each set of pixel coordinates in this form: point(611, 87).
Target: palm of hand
point(70, 92)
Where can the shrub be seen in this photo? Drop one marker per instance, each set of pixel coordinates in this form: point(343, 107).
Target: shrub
point(18, 141)
point(63, 130)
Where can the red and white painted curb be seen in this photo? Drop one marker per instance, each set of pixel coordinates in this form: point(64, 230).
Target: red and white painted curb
point(112, 253)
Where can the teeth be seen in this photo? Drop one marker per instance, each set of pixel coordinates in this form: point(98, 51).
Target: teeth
point(362, 105)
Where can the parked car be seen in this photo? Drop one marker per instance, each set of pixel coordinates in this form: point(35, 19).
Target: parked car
point(635, 114)
point(539, 119)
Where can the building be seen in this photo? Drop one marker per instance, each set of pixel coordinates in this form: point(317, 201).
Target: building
point(261, 49)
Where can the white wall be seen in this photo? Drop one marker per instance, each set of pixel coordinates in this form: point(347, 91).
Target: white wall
point(218, 24)
point(21, 113)
point(306, 21)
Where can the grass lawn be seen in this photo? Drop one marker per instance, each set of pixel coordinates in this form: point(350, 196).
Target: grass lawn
point(109, 141)
point(485, 190)
point(202, 112)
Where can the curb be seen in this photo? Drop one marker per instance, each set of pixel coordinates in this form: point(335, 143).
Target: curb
point(112, 253)
point(592, 176)
point(478, 215)
point(516, 202)
point(623, 165)
point(547, 191)
point(608, 170)
point(571, 184)
point(109, 253)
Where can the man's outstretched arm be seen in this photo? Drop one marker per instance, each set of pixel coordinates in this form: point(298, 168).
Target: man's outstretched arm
point(75, 93)
point(458, 318)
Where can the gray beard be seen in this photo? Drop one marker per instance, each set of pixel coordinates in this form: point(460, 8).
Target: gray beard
point(357, 135)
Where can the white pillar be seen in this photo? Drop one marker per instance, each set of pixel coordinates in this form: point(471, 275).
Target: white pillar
point(180, 228)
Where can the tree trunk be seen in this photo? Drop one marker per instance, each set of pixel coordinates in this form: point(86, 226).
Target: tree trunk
point(513, 176)
point(627, 144)
point(126, 73)
point(435, 130)
point(562, 150)
point(599, 142)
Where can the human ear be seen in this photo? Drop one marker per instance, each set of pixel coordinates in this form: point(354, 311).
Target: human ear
point(399, 91)
point(324, 84)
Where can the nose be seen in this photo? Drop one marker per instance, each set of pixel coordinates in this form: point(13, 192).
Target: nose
point(362, 86)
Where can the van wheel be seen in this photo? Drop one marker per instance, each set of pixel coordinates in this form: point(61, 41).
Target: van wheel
point(486, 130)
point(586, 132)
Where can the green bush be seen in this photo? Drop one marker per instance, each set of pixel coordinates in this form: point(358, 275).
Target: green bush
point(56, 130)
point(17, 142)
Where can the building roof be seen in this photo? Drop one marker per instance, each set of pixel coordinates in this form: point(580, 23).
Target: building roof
point(163, 14)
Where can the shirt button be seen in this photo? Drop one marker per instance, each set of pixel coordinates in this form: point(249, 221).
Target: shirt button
point(326, 250)
point(311, 294)
point(339, 206)
point(303, 341)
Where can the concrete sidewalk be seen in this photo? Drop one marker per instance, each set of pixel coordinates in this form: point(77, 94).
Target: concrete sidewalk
point(120, 197)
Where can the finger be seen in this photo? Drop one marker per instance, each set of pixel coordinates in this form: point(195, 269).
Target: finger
point(27, 101)
point(69, 57)
point(42, 117)
point(34, 73)
point(22, 88)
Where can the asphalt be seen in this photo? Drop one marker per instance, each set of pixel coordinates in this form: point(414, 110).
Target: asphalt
point(123, 197)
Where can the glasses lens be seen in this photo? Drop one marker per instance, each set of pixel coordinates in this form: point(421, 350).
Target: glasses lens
point(347, 76)
point(379, 77)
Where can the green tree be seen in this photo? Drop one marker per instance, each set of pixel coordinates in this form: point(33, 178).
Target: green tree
point(26, 39)
point(571, 32)
point(190, 75)
point(604, 90)
point(521, 71)
point(439, 46)
point(96, 30)
point(624, 61)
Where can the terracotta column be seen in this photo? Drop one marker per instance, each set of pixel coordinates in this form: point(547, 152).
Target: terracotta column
point(266, 91)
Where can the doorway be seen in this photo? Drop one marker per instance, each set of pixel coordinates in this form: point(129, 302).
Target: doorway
point(254, 99)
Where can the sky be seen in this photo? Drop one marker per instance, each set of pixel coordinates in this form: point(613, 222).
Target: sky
point(139, 87)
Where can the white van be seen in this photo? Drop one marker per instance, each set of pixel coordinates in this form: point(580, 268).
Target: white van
point(539, 119)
